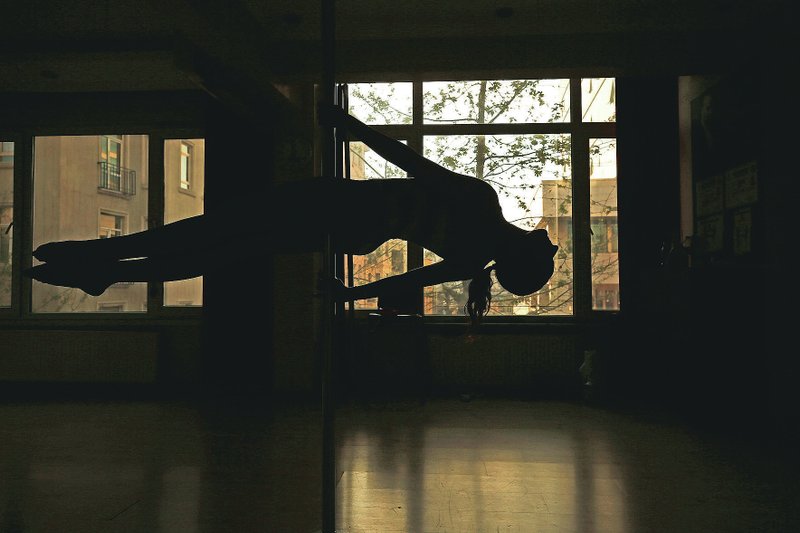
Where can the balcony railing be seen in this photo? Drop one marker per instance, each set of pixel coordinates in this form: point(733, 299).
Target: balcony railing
point(117, 179)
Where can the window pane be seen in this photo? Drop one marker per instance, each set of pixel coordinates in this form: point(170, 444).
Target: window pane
point(390, 258)
point(186, 165)
point(381, 103)
point(603, 211)
point(184, 186)
point(599, 97)
point(86, 187)
point(6, 217)
point(532, 177)
point(495, 101)
point(365, 164)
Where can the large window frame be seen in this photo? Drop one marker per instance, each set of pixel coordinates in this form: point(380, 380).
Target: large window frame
point(20, 311)
point(581, 134)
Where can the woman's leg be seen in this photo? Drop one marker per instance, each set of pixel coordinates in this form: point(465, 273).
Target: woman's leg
point(95, 277)
point(285, 217)
point(170, 239)
point(293, 219)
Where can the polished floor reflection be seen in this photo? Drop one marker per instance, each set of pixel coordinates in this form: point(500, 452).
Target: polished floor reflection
point(446, 466)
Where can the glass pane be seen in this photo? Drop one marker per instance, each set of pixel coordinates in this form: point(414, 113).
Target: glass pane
point(77, 195)
point(184, 190)
point(495, 101)
point(381, 103)
point(390, 258)
point(603, 211)
point(6, 217)
point(186, 160)
point(445, 298)
point(599, 97)
point(532, 177)
point(365, 164)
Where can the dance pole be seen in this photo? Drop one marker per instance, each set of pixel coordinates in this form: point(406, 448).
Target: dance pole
point(328, 145)
point(343, 148)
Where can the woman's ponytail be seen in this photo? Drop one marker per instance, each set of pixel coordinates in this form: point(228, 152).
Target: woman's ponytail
point(480, 296)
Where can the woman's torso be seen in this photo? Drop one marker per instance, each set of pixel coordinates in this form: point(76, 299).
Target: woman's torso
point(455, 220)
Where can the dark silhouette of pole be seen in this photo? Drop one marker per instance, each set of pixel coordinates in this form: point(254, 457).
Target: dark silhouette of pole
point(343, 149)
point(328, 145)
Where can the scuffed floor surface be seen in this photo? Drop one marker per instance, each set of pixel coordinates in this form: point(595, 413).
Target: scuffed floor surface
point(447, 466)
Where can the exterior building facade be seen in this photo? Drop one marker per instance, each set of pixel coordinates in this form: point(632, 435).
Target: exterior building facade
point(97, 186)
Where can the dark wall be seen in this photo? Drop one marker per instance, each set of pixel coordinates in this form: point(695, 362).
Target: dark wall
point(643, 339)
point(238, 306)
point(682, 341)
point(703, 337)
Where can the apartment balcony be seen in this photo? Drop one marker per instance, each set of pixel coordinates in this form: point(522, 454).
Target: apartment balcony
point(117, 179)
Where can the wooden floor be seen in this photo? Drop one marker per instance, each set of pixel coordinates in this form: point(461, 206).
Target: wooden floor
point(447, 467)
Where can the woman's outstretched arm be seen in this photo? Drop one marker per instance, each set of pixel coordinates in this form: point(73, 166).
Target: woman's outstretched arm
point(426, 276)
point(390, 149)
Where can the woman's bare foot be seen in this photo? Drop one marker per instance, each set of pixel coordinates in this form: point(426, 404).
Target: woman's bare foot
point(60, 251)
point(72, 274)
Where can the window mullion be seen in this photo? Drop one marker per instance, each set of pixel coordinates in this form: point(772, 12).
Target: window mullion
point(23, 222)
point(582, 275)
point(155, 210)
point(415, 258)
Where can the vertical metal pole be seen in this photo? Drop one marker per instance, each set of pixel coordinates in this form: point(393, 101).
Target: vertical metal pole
point(345, 148)
point(327, 98)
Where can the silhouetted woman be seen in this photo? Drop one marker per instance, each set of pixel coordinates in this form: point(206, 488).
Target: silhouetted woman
point(455, 216)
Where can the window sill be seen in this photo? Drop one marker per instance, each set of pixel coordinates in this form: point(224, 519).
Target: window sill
point(112, 192)
point(101, 319)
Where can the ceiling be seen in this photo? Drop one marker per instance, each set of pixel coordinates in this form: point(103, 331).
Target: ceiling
point(421, 19)
point(105, 45)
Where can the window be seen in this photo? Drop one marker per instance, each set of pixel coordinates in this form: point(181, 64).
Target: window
point(604, 234)
point(111, 225)
point(186, 166)
point(111, 307)
point(603, 212)
point(113, 176)
point(6, 153)
point(110, 150)
point(69, 205)
point(398, 261)
point(96, 186)
point(183, 201)
point(598, 100)
point(537, 142)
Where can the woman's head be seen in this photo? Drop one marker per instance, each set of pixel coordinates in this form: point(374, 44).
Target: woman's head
point(526, 265)
point(522, 268)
